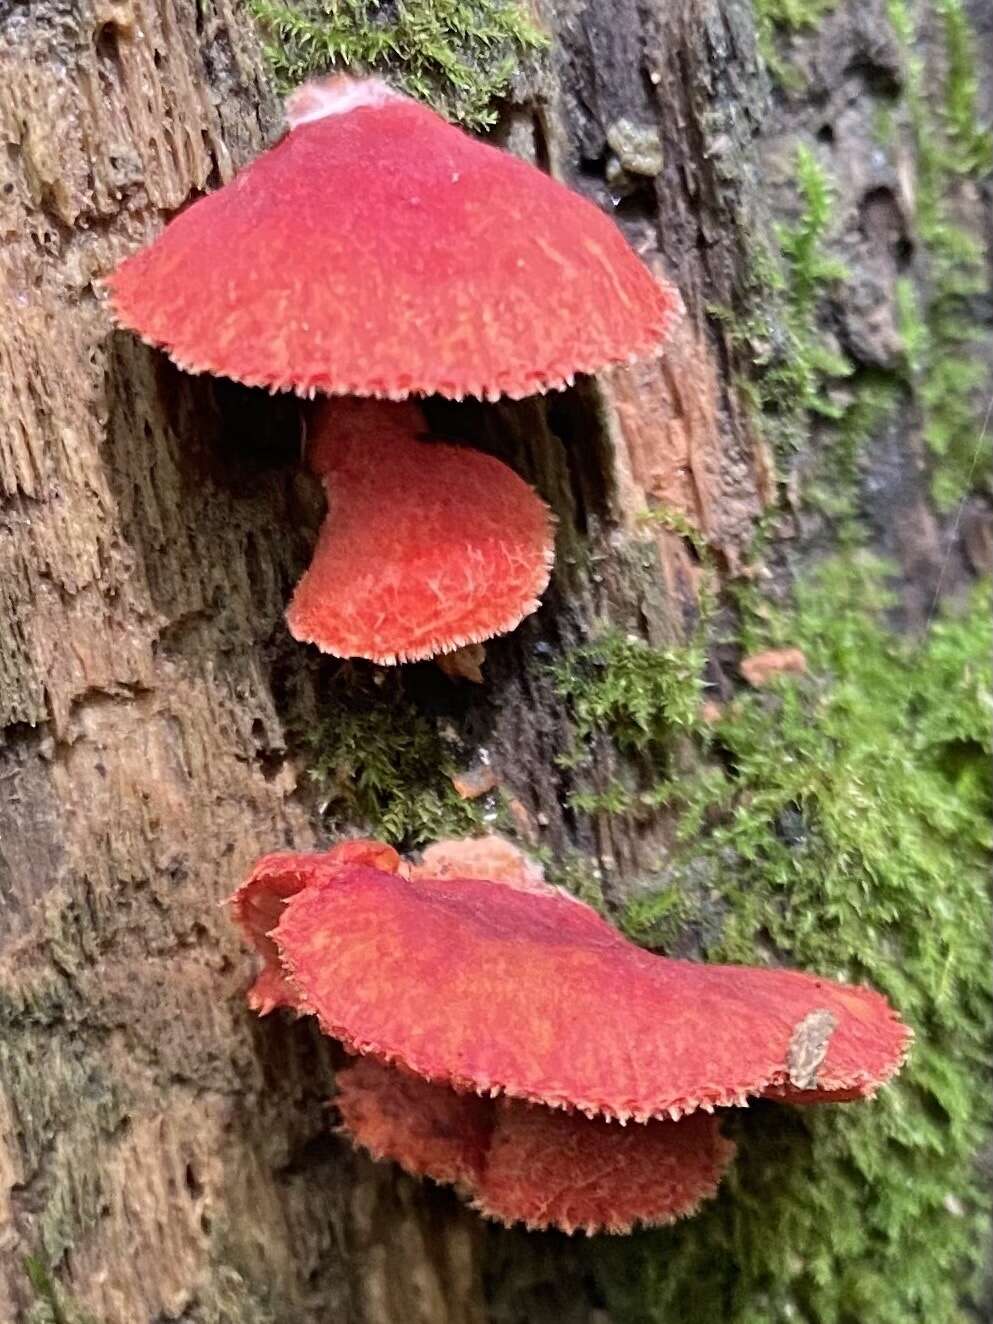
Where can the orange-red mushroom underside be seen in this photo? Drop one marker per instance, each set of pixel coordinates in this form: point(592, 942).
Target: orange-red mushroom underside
point(527, 993)
point(378, 250)
point(521, 1162)
point(426, 546)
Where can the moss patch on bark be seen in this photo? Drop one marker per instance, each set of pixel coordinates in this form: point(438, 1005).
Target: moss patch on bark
point(849, 834)
point(949, 351)
point(459, 56)
point(384, 766)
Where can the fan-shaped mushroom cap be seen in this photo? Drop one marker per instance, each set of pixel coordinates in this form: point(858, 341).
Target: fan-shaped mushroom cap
point(521, 1162)
point(426, 546)
point(258, 904)
point(494, 989)
point(378, 250)
point(430, 1130)
point(560, 1169)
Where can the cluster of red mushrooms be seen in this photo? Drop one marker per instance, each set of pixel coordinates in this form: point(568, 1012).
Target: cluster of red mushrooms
point(506, 1039)
point(377, 252)
point(510, 1042)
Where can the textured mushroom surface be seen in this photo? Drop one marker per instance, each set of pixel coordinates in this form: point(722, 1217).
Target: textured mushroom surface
point(492, 857)
point(430, 1130)
point(258, 904)
point(490, 988)
point(426, 545)
point(378, 250)
point(520, 1162)
point(561, 1169)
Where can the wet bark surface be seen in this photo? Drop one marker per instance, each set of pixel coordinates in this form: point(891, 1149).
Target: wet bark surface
point(163, 1155)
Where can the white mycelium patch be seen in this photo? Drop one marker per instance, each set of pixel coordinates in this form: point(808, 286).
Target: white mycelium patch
point(336, 95)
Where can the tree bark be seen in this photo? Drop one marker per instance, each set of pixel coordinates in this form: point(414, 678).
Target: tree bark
point(163, 1154)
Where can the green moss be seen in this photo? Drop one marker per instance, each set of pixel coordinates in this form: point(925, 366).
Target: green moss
point(639, 699)
point(658, 919)
point(833, 480)
point(51, 1306)
point(776, 17)
point(971, 141)
point(848, 833)
point(382, 765)
point(576, 872)
point(640, 694)
point(793, 365)
point(793, 15)
point(457, 55)
point(791, 362)
point(951, 146)
point(796, 386)
point(809, 268)
point(884, 125)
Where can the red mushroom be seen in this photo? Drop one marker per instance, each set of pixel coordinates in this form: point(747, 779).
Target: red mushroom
point(519, 1162)
point(483, 986)
point(258, 905)
point(378, 250)
point(494, 1014)
point(426, 546)
point(430, 1130)
point(564, 1170)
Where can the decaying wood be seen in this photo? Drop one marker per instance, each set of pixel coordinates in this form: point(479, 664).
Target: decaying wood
point(153, 1167)
point(162, 1154)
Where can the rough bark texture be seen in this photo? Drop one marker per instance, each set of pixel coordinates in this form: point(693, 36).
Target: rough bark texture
point(163, 1156)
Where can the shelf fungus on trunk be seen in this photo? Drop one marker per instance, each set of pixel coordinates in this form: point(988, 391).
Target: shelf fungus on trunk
point(377, 250)
point(520, 1162)
point(426, 546)
point(507, 1034)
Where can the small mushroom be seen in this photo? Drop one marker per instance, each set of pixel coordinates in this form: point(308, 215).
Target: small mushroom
point(426, 546)
point(491, 856)
point(519, 1162)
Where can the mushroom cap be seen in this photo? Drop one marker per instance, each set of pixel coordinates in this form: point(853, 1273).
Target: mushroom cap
point(558, 1169)
point(378, 250)
point(427, 546)
point(430, 1130)
point(258, 904)
point(489, 988)
point(521, 1162)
